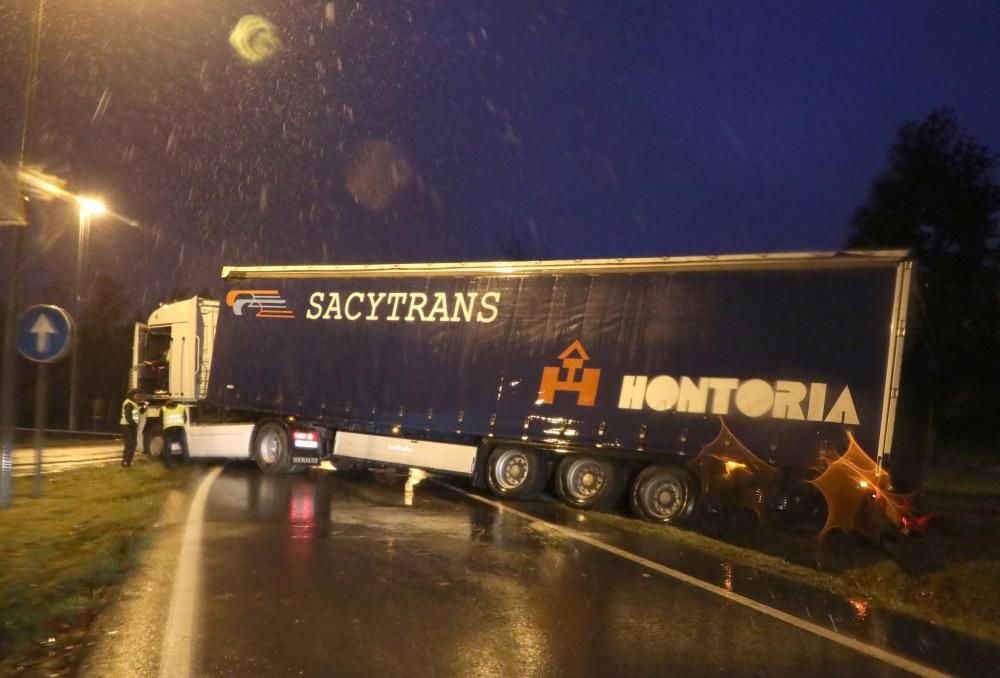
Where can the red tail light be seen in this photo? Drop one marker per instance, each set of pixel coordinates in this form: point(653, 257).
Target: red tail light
point(915, 524)
point(305, 440)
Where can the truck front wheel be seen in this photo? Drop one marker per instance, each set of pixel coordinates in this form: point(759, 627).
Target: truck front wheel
point(516, 473)
point(152, 442)
point(663, 494)
point(271, 450)
point(588, 482)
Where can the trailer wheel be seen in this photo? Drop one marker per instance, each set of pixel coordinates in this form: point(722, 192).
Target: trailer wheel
point(271, 449)
point(588, 482)
point(152, 442)
point(663, 494)
point(516, 473)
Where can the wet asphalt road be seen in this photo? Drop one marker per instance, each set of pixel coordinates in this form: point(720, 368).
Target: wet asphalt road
point(335, 574)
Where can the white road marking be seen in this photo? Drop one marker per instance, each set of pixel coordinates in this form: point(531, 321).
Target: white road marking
point(858, 646)
point(176, 653)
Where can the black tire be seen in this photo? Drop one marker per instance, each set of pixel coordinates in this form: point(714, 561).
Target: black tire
point(589, 482)
point(663, 494)
point(272, 449)
point(152, 442)
point(516, 473)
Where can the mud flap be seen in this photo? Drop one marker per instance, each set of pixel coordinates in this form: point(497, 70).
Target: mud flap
point(305, 458)
point(479, 469)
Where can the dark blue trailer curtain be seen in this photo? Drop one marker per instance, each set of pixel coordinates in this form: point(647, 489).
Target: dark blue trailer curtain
point(789, 358)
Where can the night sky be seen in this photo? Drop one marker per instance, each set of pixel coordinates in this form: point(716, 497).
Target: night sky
point(438, 131)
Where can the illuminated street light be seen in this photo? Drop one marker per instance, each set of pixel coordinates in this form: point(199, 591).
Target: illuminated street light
point(91, 206)
point(39, 185)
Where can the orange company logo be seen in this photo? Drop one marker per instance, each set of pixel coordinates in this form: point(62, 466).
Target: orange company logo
point(268, 303)
point(580, 380)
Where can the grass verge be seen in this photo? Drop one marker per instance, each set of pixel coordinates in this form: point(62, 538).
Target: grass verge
point(948, 576)
point(61, 551)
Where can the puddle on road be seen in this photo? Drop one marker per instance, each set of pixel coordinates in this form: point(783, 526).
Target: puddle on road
point(727, 577)
point(415, 476)
point(321, 504)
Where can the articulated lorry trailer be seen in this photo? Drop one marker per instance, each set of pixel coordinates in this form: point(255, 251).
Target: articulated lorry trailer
point(677, 385)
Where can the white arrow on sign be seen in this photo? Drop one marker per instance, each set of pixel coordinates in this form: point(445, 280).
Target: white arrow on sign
point(42, 329)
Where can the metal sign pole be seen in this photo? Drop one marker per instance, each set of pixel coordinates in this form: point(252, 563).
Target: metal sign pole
point(7, 381)
point(41, 400)
point(44, 335)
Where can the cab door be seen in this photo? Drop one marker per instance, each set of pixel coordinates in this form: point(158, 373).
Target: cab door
point(138, 354)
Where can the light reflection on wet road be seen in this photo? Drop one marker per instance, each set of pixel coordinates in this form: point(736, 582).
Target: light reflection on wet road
point(354, 575)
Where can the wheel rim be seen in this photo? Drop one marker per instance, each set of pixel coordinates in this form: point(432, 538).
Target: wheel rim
point(269, 447)
point(663, 497)
point(510, 469)
point(584, 479)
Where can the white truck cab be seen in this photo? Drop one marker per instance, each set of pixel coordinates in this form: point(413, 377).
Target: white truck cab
point(172, 353)
point(171, 360)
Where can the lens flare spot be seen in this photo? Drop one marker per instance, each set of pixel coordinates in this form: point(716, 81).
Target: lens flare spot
point(377, 172)
point(254, 38)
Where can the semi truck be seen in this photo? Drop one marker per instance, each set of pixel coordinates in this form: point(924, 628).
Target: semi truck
point(674, 386)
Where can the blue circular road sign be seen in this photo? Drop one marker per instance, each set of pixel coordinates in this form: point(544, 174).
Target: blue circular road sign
point(44, 333)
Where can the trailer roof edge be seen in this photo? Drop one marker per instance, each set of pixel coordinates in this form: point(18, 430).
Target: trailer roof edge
point(837, 258)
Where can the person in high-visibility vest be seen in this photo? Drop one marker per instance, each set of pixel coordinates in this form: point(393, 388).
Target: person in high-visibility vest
point(131, 409)
point(175, 418)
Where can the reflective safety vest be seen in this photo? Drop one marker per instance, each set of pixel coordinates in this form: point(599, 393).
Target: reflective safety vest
point(135, 411)
point(173, 416)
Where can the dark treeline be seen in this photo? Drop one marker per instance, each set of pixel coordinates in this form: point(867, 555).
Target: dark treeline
point(104, 332)
point(939, 197)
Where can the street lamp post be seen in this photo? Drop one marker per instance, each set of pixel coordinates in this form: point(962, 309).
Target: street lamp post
point(88, 207)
